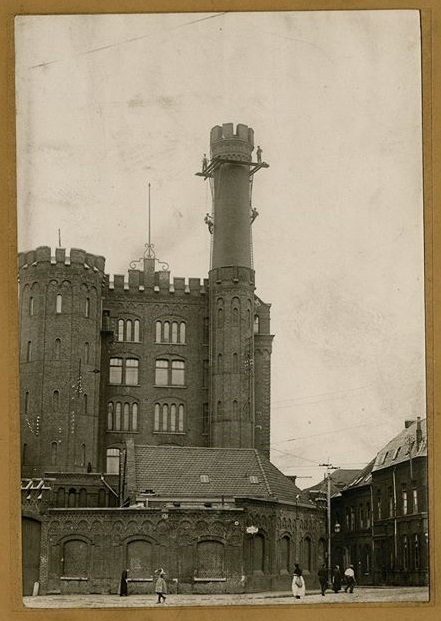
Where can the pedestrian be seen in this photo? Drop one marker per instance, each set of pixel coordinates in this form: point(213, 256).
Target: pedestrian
point(123, 588)
point(350, 579)
point(298, 583)
point(161, 586)
point(323, 578)
point(336, 579)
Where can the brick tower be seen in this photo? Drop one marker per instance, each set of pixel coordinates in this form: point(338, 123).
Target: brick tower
point(60, 322)
point(232, 300)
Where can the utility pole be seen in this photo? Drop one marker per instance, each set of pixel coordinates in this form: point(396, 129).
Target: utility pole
point(329, 467)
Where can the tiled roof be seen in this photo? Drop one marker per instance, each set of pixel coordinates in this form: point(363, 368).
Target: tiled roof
point(403, 446)
point(339, 479)
point(176, 471)
point(363, 477)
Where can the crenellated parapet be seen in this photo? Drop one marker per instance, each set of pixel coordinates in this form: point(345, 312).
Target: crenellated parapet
point(161, 283)
point(226, 143)
point(43, 256)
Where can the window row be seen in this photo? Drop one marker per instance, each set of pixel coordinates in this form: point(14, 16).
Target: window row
point(128, 330)
point(56, 351)
point(85, 311)
point(122, 416)
point(404, 505)
point(56, 401)
point(169, 418)
point(167, 372)
point(170, 332)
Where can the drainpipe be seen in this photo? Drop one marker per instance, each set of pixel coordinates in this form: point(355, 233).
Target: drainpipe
point(372, 533)
point(395, 517)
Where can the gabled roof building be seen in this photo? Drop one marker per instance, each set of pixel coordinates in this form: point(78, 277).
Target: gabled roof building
point(379, 520)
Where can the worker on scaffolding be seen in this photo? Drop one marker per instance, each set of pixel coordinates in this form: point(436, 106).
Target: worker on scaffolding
point(254, 214)
point(209, 222)
point(204, 163)
point(259, 154)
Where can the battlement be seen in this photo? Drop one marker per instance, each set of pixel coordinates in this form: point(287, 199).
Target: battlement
point(139, 281)
point(43, 254)
point(230, 144)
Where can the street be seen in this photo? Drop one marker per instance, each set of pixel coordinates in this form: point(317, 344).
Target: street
point(360, 595)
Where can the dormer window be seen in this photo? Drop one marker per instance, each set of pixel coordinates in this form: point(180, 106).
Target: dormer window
point(254, 479)
point(205, 478)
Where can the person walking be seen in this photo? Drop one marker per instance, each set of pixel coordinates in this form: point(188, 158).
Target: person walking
point(298, 583)
point(336, 579)
point(123, 587)
point(350, 579)
point(161, 586)
point(323, 578)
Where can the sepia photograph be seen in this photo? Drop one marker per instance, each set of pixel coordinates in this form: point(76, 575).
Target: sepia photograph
point(222, 326)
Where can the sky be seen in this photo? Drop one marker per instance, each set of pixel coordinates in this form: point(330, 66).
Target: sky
point(108, 104)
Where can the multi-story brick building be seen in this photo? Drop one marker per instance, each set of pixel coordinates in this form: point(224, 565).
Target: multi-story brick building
point(381, 515)
point(115, 371)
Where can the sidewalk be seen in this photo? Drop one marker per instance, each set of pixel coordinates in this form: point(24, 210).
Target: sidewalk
point(360, 595)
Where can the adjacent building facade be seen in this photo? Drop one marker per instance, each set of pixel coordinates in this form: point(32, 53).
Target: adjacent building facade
point(380, 519)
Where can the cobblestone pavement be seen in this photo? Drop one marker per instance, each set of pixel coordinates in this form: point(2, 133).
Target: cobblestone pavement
point(360, 595)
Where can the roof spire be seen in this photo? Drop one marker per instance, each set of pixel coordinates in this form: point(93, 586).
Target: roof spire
point(149, 252)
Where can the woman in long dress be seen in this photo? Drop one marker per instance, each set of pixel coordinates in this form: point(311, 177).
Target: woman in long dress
point(298, 582)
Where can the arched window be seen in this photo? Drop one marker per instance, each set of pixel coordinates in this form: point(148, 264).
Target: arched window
point(235, 316)
point(258, 553)
point(61, 497)
point(85, 403)
point(115, 371)
point(29, 351)
point(174, 332)
point(82, 498)
point(26, 403)
point(235, 363)
point(57, 349)
point(164, 417)
point(158, 331)
point(307, 561)
point(177, 373)
point(285, 548)
point(256, 324)
point(166, 333)
point(173, 417)
point(157, 412)
point(135, 417)
point(235, 409)
point(126, 417)
point(75, 561)
point(405, 553)
point(24, 457)
point(210, 560)
point(140, 559)
point(136, 337)
point(128, 330)
point(83, 454)
point(118, 416)
point(120, 329)
point(59, 304)
point(416, 552)
point(87, 308)
point(55, 400)
point(112, 461)
point(132, 365)
point(181, 418)
point(54, 453)
point(72, 498)
point(220, 317)
point(31, 306)
point(86, 352)
point(219, 410)
point(205, 373)
point(110, 417)
point(219, 363)
point(182, 332)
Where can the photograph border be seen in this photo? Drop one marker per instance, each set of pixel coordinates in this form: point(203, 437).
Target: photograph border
point(11, 606)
